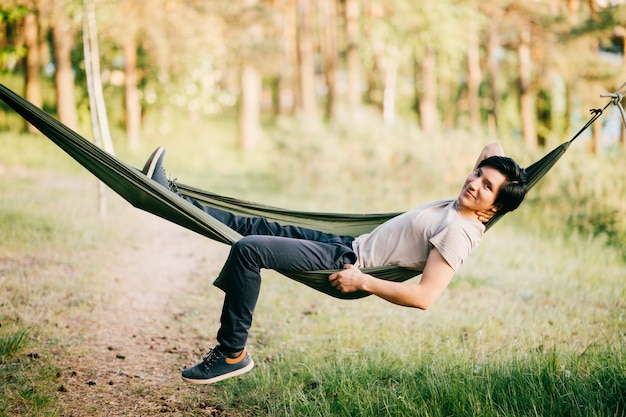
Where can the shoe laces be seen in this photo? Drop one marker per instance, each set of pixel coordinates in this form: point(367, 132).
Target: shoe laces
point(172, 184)
point(210, 358)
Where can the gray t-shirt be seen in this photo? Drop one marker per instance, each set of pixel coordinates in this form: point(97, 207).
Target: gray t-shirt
point(406, 240)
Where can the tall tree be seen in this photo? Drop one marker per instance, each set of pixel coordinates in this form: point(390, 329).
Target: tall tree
point(528, 29)
point(328, 15)
point(159, 40)
point(474, 75)
point(93, 74)
point(430, 36)
point(493, 69)
point(97, 107)
point(385, 45)
point(527, 92)
point(253, 48)
point(286, 85)
point(390, 83)
point(429, 114)
point(132, 104)
point(352, 13)
point(622, 135)
point(250, 107)
point(306, 59)
point(63, 36)
point(581, 59)
point(134, 13)
point(32, 80)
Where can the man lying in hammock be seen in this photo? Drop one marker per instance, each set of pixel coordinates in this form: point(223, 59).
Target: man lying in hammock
point(434, 238)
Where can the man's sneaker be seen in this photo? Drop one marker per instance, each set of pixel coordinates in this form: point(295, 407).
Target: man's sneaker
point(216, 367)
point(154, 169)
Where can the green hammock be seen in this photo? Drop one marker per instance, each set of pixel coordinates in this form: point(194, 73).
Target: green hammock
point(132, 185)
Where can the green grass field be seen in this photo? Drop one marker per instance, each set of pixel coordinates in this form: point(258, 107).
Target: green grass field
point(534, 324)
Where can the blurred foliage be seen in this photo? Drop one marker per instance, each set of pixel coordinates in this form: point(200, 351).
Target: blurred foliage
point(583, 195)
point(190, 52)
point(10, 53)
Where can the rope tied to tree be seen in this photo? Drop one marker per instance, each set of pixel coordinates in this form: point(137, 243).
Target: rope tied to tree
point(616, 99)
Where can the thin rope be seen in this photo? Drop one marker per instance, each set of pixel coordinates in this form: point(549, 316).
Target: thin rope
point(616, 99)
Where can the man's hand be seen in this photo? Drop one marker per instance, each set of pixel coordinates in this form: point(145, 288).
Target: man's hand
point(485, 216)
point(350, 279)
point(435, 278)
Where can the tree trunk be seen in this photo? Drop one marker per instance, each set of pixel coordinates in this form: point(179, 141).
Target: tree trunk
point(527, 97)
point(306, 60)
point(417, 101)
point(97, 105)
point(473, 77)
point(596, 138)
point(622, 136)
point(250, 108)
point(328, 15)
point(32, 83)
point(572, 7)
point(131, 94)
point(390, 89)
point(287, 84)
point(428, 102)
point(492, 68)
point(353, 62)
point(569, 105)
point(593, 9)
point(63, 38)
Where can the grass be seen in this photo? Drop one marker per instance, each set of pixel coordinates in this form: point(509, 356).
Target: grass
point(43, 291)
point(383, 383)
point(534, 324)
point(12, 343)
point(28, 388)
point(506, 339)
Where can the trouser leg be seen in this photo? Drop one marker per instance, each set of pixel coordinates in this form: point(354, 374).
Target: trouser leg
point(242, 276)
point(246, 226)
point(267, 245)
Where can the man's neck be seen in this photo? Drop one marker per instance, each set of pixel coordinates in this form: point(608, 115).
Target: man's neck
point(465, 212)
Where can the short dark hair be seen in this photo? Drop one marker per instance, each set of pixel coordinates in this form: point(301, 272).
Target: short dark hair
point(512, 193)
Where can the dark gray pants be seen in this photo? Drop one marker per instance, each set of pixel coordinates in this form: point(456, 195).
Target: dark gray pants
point(272, 246)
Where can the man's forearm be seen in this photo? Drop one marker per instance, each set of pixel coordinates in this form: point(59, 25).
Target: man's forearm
point(435, 278)
point(352, 279)
point(400, 293)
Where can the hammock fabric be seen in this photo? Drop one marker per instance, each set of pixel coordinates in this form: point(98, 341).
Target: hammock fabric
point(143, 193)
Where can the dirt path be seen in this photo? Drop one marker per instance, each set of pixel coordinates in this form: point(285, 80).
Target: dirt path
point(133, 351)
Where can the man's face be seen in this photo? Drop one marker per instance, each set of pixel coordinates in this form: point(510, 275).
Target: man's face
point(480, 190)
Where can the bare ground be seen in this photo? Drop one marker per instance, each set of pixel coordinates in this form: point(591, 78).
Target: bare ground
point(130, 351)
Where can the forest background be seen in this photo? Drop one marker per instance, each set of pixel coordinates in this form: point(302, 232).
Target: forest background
point(503, 67)
point(388, 81)
point(330, 105)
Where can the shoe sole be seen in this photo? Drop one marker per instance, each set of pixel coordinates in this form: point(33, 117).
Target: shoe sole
point(219, 378)
point(156, 155)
